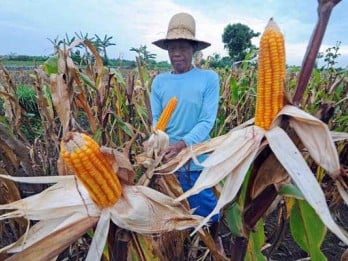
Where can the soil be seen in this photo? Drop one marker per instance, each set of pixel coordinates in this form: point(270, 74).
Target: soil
point(332, 247)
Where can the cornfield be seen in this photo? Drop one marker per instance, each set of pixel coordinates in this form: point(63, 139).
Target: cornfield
point(112, 106)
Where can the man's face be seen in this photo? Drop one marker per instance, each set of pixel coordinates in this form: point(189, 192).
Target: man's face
point(180, 55)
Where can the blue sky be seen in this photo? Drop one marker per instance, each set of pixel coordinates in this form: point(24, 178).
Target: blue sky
point(26, 25)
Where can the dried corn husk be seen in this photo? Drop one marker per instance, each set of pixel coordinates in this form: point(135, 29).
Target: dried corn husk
point(140, 209)
point(233, 157)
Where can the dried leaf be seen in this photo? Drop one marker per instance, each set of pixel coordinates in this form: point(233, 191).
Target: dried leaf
point(196, 150)
point(61, 100)
point(240, 145)
point(99, 69)
point(8, 190)
point(120, 164)
point(11, 106)
point(81, 102)
point(74, 44)
point(9, 193)
point(18, 148)
point(156, 144)
point(232, 185)
point(145, 247)
point(61, 199)
point(316, 137)
point(9, 155)
point(42, 230)
point(145, 210)
point(153, 153)
point(297, 168)
point(270, 172)
point(99, 239)
point(98, 59)
point(140, 209)
point(49, 247)
point(338, 136)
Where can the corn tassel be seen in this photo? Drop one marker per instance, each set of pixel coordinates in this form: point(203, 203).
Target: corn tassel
point(82, 154)
point(271, 75)
point(166, 114)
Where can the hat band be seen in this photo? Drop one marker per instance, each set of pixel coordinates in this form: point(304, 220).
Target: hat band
point(182, 32)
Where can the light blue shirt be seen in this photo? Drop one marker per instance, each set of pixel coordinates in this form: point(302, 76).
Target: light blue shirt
point(197, 92)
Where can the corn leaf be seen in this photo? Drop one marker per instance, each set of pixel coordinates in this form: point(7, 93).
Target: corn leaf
point(307, 229)
point(87, 81)
point(51, 65)
point(141, 248)
point(234, 219)
point(118, 76)
point(234, 90)
point(232, 186)
point(61, 98)
point(292, 160)
point(315, 136)
point(197, 149)
point(255, 244)
point(49, 247)
point(144, 210)
point(290, 190)
point(99, 239)
point(236, 148)
point(338, 136)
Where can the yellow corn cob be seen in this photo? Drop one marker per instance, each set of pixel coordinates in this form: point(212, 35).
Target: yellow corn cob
point(82, 154)
point(271, 73)
point(166, 114)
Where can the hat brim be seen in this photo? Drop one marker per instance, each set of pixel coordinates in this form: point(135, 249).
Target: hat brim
point(163, 43)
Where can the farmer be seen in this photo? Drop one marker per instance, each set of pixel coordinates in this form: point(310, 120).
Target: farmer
point(197, 91)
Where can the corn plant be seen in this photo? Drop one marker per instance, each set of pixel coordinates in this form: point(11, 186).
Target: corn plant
point(276, 142)
point(112, 106)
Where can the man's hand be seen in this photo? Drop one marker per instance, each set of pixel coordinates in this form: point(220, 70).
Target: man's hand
point(173, 149)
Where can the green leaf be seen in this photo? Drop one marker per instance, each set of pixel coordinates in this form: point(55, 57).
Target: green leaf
point(126, 128)
point(143, 250)
point(290, 190)
point(307, 229)
point(51, 65)
point(234, 90)
point(87, 81)
point(234, 211)
point(234, 219)
point(118, 76)
point(255, 243)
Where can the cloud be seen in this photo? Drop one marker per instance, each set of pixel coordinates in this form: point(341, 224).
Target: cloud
point(28, 24)
point(295, 52)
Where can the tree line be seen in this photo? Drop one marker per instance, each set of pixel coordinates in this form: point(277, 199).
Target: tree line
point(236, 39)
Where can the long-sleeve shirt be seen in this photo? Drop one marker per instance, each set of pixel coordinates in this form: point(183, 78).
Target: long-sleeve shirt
point(197, 92)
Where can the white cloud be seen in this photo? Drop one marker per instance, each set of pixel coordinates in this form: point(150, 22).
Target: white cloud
point(140, 22)
point(295, 53)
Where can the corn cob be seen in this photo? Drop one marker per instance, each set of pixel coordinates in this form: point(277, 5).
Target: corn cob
point(166, 114)
point(271, 74)
point(82, 154)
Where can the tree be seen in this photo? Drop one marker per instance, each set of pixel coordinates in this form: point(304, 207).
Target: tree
point(103, 44)
point(237, 40)
point(86, 57)
point(216, 61)
point(145, 56)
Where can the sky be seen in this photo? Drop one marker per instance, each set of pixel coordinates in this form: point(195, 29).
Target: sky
point(27, 25)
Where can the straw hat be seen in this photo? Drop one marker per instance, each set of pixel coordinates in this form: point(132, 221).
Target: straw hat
point(182, 26)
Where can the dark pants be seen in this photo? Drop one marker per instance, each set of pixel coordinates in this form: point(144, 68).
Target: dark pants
point(205, 201)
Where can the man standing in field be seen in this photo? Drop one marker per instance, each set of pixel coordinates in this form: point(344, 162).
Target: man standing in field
point(197, 91)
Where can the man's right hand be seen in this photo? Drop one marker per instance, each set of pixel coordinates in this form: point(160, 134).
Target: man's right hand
point(173, 149)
